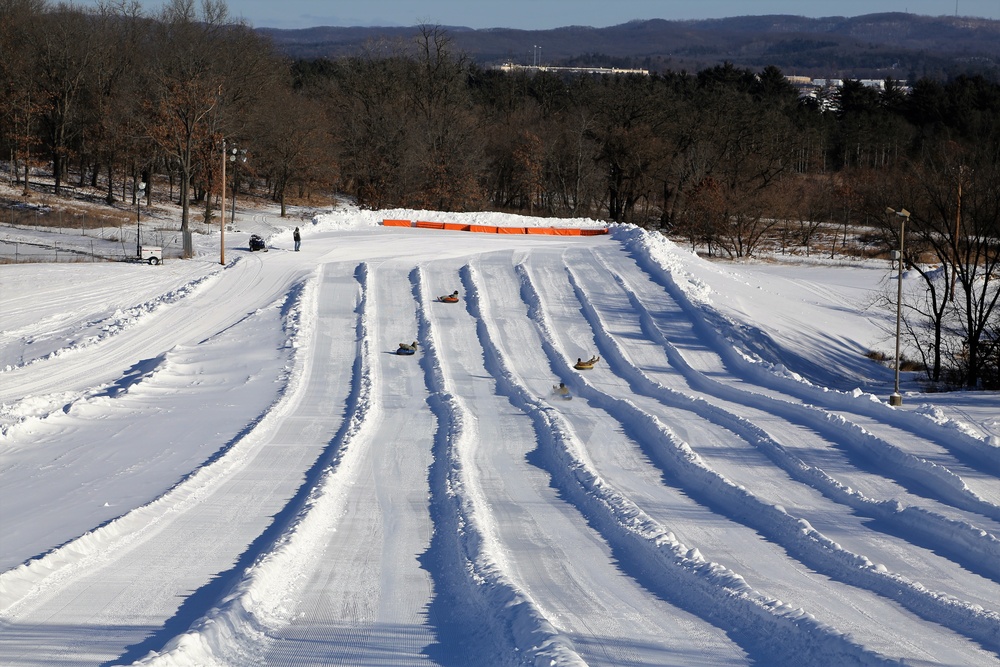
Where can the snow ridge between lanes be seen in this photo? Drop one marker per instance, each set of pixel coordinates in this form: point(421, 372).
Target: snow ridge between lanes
point(657, 255)
point(120, 321)
point(715, 593)
point(238, 629)
point(504, 602)
point(101, 544)
point(37, 408)
point(944, 533)
point(795, 534)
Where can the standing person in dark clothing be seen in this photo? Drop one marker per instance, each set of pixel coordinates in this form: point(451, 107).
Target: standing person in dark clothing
point(298, 239)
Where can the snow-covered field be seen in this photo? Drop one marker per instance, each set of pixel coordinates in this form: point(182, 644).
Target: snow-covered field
point(208, 465)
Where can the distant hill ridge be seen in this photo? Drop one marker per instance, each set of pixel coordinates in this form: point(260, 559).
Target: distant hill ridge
point(865, 46)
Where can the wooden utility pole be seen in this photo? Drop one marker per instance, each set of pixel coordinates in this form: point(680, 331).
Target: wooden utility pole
point(222, 218)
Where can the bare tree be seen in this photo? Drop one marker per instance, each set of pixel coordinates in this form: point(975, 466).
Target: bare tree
point(443, 156)
point(204, 73)
point(20, 98)
point(64, 57)
point(292, 138)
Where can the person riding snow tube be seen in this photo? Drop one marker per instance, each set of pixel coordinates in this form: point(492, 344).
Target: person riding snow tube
point(451, 298)
point(562, 391)
point(581, 365)
point(407, 349)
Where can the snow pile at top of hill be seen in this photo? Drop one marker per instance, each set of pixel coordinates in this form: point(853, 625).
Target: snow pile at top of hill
point(350, 216)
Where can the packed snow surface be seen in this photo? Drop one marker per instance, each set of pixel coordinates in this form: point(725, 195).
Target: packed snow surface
point(231, 465)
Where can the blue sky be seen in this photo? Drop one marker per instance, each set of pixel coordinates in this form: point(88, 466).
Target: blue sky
point(542, 14)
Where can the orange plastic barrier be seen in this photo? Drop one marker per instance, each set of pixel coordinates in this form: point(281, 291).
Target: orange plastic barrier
point(490, 229)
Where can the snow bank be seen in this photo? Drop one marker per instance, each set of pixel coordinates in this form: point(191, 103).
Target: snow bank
point(958, 538)
point(347, 216)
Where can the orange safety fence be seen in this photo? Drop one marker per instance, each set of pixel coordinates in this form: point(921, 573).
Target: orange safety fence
point(490, 229)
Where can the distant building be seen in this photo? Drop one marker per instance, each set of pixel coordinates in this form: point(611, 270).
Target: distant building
point(824, 90)
point(511, 67)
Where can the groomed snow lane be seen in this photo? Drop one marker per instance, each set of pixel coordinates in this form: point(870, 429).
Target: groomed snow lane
point(564, 568)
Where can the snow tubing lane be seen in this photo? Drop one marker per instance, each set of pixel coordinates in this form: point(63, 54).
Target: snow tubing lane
point(534, 636)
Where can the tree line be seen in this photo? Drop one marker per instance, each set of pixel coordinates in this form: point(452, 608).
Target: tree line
point(727, 158)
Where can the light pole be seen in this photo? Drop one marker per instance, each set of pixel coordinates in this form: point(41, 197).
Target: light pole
point(236, 155)
point(896, 398)
point(138, 200)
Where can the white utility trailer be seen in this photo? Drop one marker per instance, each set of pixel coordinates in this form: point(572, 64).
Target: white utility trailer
point(151, 253)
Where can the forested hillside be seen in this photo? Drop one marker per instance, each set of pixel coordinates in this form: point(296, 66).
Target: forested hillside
point(900, 45)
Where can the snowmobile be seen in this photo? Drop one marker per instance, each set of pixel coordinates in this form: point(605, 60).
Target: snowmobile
point(257, 243)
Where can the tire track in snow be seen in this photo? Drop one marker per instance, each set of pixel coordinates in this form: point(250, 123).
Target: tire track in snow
point(499, 606)
point(710, 590)
point(964, 542)
point(794, 534)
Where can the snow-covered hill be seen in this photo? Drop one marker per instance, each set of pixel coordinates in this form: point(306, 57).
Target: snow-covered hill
point(208, 465)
